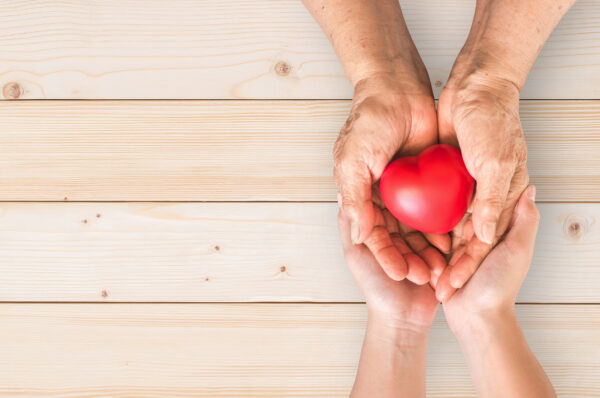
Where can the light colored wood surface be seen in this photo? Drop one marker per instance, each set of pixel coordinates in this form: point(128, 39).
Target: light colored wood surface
point(241, 151)
point(251, 350)
point(251, 49)
point(223, 252)
point(238, 150)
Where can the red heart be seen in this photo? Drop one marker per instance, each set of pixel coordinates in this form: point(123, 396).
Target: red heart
point(429, 192)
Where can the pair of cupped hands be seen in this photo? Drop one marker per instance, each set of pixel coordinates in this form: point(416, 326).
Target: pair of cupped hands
point(394, 114)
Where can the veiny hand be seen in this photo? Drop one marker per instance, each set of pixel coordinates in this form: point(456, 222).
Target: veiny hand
point(480, 115)
point(493, 288)
point(399, 305)
point(391, 114)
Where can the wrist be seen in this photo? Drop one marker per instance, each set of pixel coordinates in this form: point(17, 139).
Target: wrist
point(503, 41)
point(483, 325)
point(400, 334)
point(484, 64)
point(475, 86)
point(406, 73)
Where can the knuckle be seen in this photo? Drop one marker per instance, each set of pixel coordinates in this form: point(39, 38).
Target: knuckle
point(500, 165)
point(378, 239)
point(490, 208)
point(490, 195)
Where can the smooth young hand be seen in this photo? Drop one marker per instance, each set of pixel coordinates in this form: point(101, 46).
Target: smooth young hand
point(494, 287)
point(400, 313)
point(482, 315)
point(401, 305)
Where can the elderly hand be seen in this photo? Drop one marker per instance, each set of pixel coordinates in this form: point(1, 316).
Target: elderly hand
point(480, 114)
point(392, 113)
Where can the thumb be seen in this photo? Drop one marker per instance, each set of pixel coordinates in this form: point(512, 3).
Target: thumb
point(524, 224)
point(490, 197)
point(356, 202)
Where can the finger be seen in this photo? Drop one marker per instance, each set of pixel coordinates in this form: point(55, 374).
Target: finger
point(466, 265)
point(457, 254)
point(525, 222)
point(518, 185)
point(391, 223)
point(434, 260)
point(386, 253)
point(354, 183)
point(344, 227)
point(359, 259)
point(441, 241)
point(462, 232)
point(419, 245)
point(443, 288)
point(493, 184)
point(418, 272)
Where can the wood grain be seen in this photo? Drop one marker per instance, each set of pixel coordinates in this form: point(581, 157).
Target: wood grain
point(127, 49)
point(251, 350)
point(223, 252)
point(238, 150)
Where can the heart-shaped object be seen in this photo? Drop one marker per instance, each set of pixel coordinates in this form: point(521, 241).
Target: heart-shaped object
point(429, 192)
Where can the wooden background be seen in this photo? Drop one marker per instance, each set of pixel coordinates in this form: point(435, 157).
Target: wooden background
point(174, 234)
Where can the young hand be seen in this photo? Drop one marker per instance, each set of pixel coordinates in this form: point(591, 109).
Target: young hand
point(399, 305)
point(493, 288)
point(482, 315)
point(400, 313)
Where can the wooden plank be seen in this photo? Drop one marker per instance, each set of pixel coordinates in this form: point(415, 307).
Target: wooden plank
point(252, 350)
point(223, 252)
point(238, 150)
point(128, 49)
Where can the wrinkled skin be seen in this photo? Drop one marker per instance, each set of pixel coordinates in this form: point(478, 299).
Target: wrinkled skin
point(389, 116)
point(481, 117)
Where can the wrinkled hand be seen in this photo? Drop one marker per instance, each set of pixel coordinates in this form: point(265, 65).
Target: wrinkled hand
point(400, 305)
point(390, 115)
point(480, 115)
point(494, 287)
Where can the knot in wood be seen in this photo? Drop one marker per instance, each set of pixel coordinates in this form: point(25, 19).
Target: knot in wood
point(282, 68)
point(12, 90)
point(575, 226)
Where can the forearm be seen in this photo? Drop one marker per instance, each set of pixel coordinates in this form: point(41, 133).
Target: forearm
point(369, 37)
point(392, 363)
point(506, 37)
point(500, 361)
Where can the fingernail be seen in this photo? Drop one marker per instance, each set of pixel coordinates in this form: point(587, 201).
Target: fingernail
point(531, 193)
point(434, 279)
point(441, 296)
point(354, 232)
point(456, 282)
point(488, 231)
